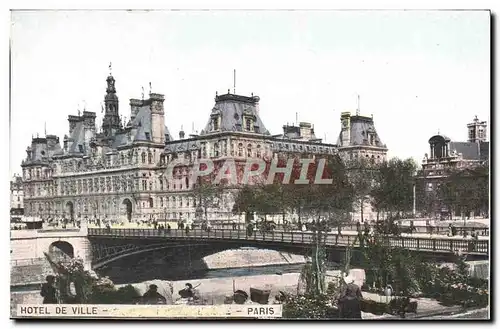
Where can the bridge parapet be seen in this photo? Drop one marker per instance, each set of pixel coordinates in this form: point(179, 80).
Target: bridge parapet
point(438, 244)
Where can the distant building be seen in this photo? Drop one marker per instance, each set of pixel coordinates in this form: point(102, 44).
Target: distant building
point(446, 155)
point(359, 140)
point(16, 198)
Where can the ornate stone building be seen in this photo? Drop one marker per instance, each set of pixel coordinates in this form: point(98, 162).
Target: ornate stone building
point(358, 140)
point(118, 173)
point(446, 154)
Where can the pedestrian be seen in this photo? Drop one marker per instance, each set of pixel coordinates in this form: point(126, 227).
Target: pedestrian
point(412, 227)
point(350, 302)
point(48, 291)
point(168, 228)
point(187, 229)
point(189, 292)
point(358, 226)
point(152, 296)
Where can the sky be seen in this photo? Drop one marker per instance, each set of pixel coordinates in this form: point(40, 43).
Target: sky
point(417, 72)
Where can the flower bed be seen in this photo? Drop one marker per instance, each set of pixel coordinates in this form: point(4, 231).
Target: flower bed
point(309, 307)
point(371, 306)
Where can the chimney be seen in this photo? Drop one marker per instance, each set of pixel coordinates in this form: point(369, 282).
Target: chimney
point(181, 134)
point(345, 119)
point(52, 140)
point(89, 120)
point(135, 104)
point(65, 141)
point(73, 120)
point(156, 102)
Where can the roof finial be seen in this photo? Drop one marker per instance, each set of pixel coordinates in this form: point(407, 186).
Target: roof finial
point(229, 91)
point(234, 81)
point(109, 68)
point(142, 93)
point(358, 109)
point(45, 128)
point(150, 88)
point(438, 131)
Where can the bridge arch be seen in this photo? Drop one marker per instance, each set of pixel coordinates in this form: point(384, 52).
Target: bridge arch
point(61, 250)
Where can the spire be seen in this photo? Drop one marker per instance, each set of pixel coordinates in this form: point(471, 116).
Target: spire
point(111, 82)
point(358, 110)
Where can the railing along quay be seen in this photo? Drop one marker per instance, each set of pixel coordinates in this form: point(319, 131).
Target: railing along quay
point(441, 244)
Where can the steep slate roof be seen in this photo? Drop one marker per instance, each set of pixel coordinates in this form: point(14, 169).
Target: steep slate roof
point(39, 145)
point(360, 126)
point(138, 129)
point(471, 150)
point(484, 151)
point(232, 107)
point(77, 138)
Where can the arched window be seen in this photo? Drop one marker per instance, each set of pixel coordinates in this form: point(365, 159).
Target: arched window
point(150, 202)
point(258, 151)
point(150, 158)
point(161, 202)
point(249, 150)
point(143, 156)
point(240, 149)
point(180, 201)
point(216, 149)
point(161, 184)
point(187, 182)
point(174, 202)
point(122, 160)
point(162, 159)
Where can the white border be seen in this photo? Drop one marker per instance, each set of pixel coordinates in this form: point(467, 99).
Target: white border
point(127, 4)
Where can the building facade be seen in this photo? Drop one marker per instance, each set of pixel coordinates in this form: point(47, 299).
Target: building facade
point(16, 198)
point(359, 141)
point(118, 173)
point(446, 155)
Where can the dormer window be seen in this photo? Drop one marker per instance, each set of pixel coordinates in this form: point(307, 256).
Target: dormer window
point(215, 122)
point(248, 124)
point(148, 137)
point(372, 139)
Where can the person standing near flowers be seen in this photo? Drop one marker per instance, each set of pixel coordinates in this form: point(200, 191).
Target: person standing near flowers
point(48, 291)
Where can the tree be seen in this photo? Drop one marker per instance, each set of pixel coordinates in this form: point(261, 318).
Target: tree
point(206, 194)
point(393, 190)
point(361, 174)
point(466, 189)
